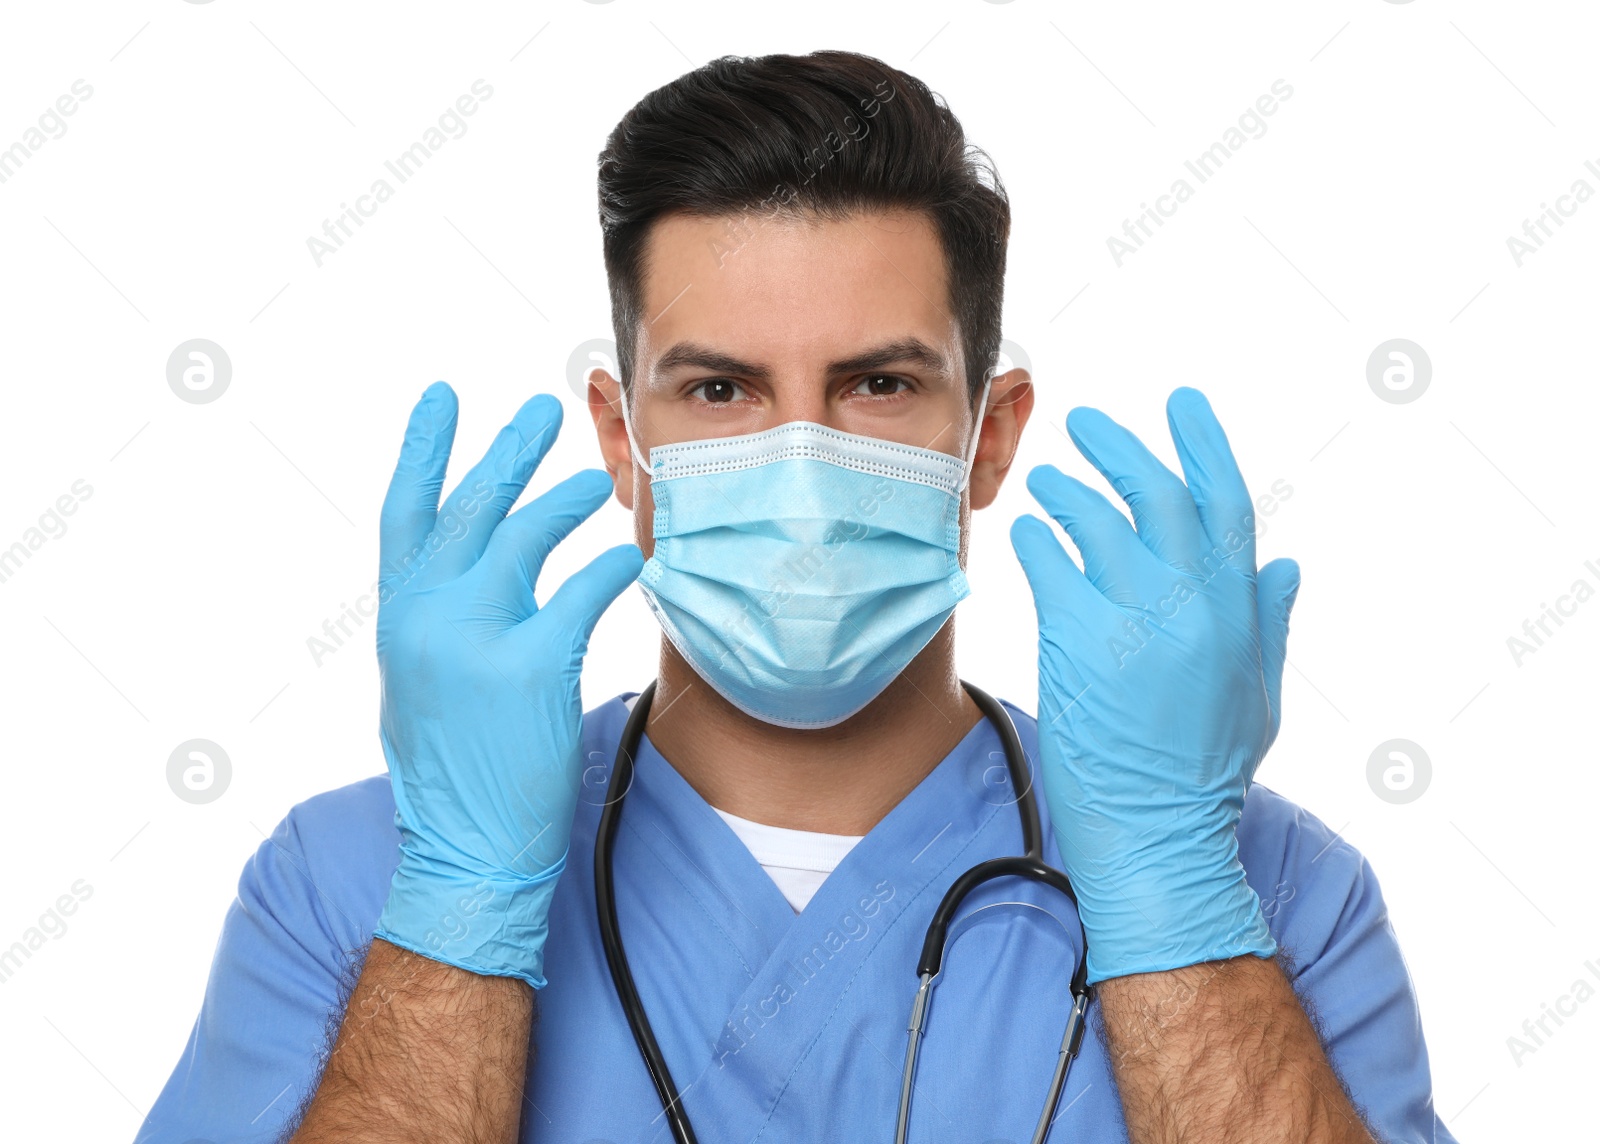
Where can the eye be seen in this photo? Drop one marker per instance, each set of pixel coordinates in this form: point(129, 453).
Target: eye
point(717, 390)
point(880, 385)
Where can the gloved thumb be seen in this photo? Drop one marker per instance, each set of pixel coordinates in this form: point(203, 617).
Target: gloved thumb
point(1277, 584)
point(1058, 583)
point(578, 604)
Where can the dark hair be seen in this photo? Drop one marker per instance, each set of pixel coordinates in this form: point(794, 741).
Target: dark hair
point(827, 134)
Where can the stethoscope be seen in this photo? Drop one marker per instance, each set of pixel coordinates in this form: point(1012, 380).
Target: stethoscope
point(1029, 864)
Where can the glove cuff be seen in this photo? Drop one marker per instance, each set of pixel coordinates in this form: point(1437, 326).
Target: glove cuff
point(1212, 921)
point(494, 925)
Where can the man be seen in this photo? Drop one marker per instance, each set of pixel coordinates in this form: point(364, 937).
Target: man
point(806, 263)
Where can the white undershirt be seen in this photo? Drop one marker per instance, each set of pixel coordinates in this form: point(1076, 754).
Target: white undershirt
point(796, 860)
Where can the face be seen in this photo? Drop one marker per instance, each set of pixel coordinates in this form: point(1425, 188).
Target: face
point(749, 324)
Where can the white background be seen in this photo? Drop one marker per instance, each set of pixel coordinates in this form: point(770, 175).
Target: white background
point(220, 536)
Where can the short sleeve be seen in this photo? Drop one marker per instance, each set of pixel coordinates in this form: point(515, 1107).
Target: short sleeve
point(1326, 910)
point(291, 941)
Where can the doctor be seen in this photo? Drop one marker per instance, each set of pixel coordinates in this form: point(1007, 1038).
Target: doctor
point(802, 424)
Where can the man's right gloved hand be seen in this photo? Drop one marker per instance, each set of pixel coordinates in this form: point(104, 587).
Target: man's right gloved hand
point(481, 716)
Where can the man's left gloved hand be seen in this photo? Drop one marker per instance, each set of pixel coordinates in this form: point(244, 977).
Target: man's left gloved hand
point(1160, 667)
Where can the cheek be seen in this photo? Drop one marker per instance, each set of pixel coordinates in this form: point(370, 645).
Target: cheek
point(644, 509)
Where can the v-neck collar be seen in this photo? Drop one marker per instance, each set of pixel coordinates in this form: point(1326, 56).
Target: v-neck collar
point(962, 783)
point(802, 966)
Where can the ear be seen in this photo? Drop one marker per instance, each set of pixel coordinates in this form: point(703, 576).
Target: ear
point(1010, 406)
point(605, 406)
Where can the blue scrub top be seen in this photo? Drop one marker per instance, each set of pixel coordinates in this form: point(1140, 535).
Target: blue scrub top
point(780, 1027)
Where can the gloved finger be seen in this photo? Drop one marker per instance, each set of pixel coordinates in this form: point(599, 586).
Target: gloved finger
point(1215, 482)
point(471, 513)
point(412, 502)
point(509, 569)
point(579, 603)
point(1277, 584)
point(1162, 508)
point(1114, 560)
point(1059, 586)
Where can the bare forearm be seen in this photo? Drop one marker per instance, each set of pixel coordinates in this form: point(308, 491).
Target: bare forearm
point(1222, 1052)
point(426, 1051)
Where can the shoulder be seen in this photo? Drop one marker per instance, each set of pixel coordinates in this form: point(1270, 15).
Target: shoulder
point(1316, 888)
point(348, 825)
point(1276, 832)
point(1319, 893)
point(357, 816)
point(327, 863)
point(343, 844)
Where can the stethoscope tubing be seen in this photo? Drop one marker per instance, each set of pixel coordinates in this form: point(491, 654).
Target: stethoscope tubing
point(1030, 865)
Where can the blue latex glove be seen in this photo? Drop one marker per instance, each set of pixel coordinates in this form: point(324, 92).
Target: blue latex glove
point(481, 715)
point(1160, 669)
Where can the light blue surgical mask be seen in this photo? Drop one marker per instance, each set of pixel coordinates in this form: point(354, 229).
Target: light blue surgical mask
point(800, 569)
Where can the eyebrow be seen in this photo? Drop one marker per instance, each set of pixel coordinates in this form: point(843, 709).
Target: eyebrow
point(902, 350)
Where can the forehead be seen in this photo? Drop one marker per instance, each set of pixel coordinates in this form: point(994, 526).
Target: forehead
point(773, 285)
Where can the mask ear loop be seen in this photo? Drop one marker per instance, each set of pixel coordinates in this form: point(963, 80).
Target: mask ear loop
point(977, 432)
point(627, 425)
